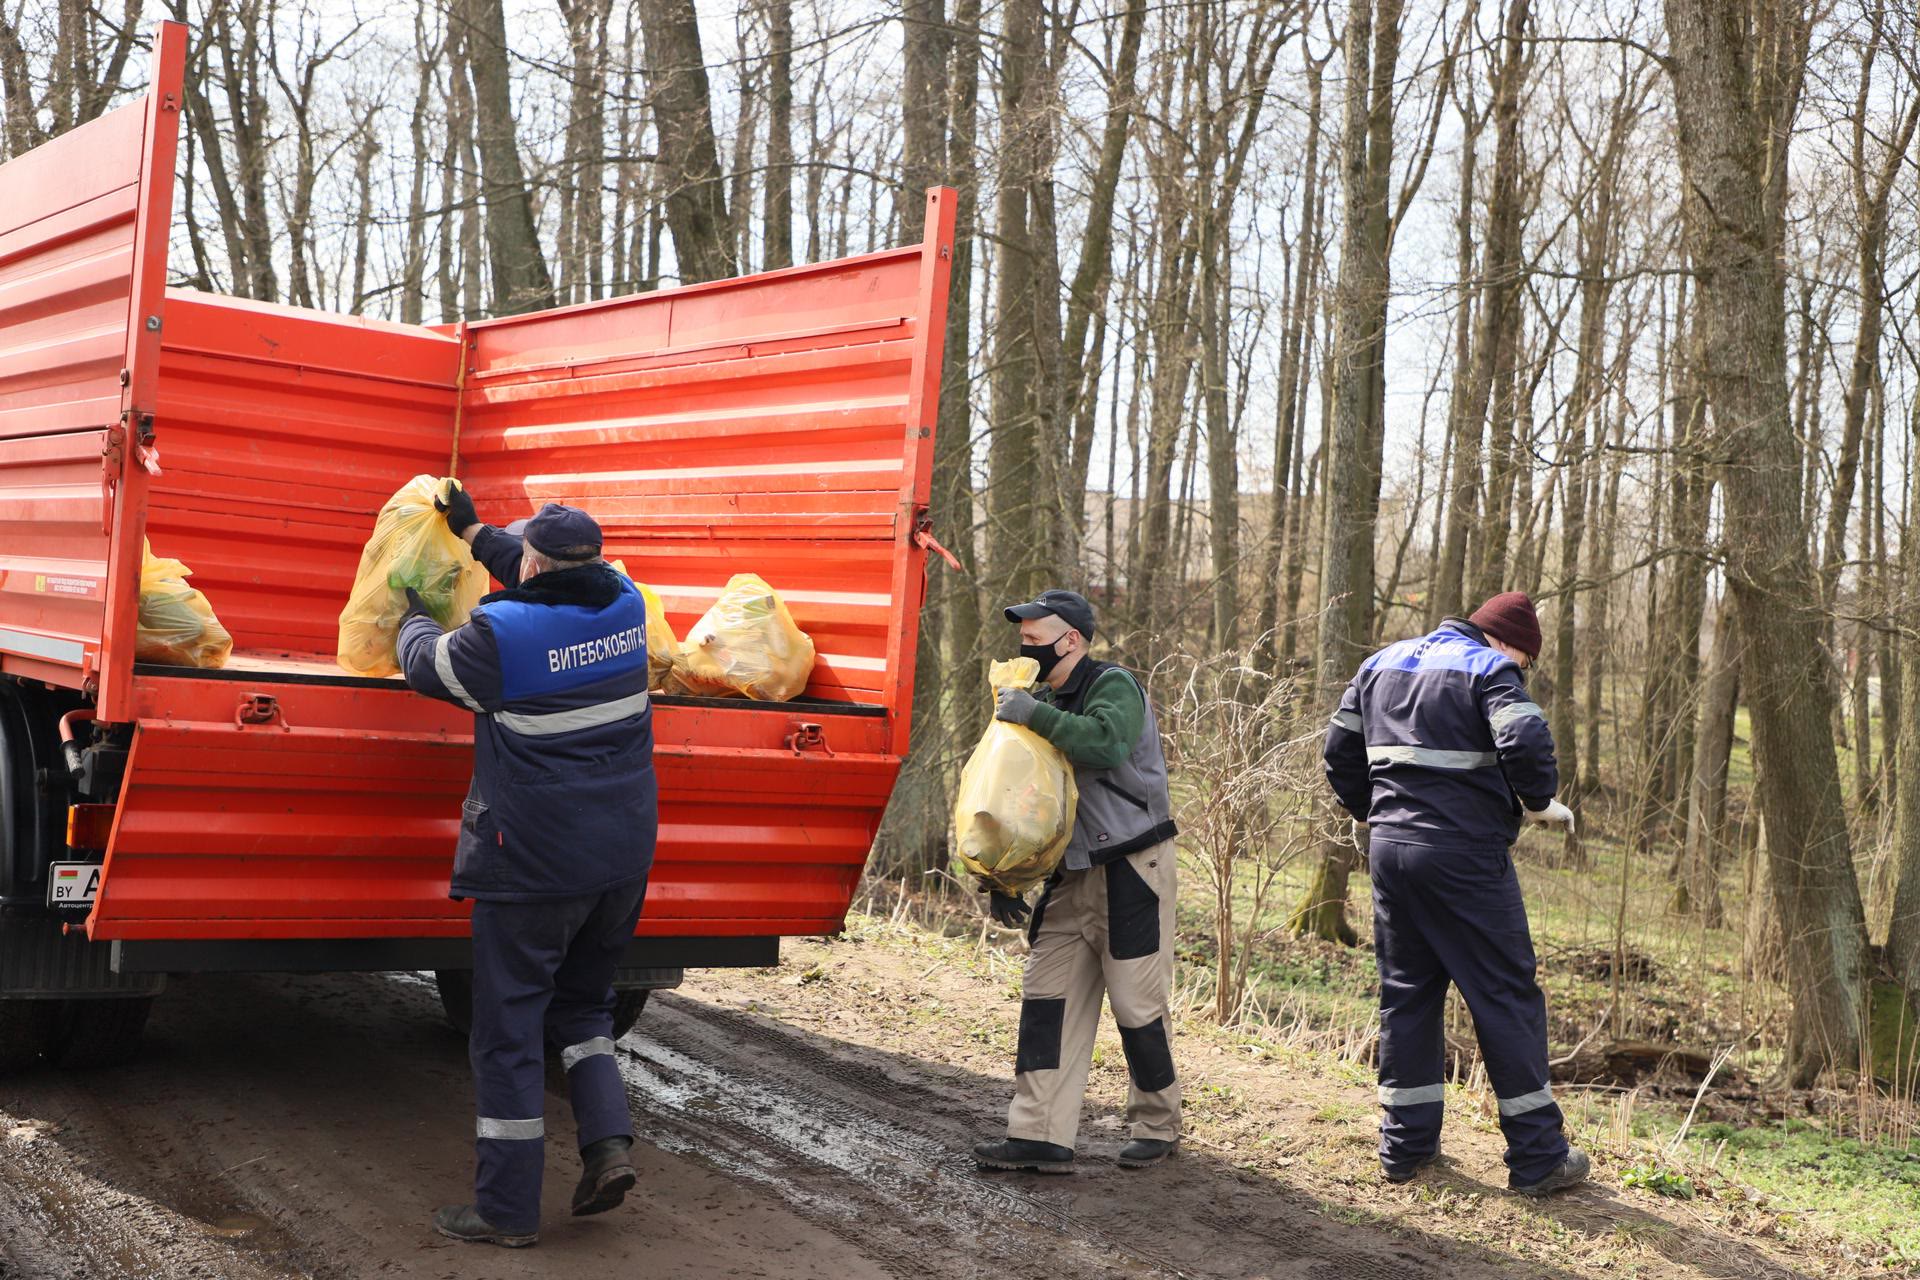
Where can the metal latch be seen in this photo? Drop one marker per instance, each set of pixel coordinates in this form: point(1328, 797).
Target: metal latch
point(260, 708)
point(924, 539)
point(807, 736)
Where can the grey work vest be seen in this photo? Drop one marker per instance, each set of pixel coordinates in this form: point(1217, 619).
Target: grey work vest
point(1126, 808)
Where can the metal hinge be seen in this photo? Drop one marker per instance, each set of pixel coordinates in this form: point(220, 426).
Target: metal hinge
point(260, 708)
point(807, 736)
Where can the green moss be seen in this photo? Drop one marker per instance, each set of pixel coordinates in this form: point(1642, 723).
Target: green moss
point(1896, 1038)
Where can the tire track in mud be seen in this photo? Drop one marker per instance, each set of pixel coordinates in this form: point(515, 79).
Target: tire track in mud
point(766, 1149)
point(56, 1220)
point(877, 1150)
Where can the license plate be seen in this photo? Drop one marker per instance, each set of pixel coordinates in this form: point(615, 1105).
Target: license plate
point(72, 884)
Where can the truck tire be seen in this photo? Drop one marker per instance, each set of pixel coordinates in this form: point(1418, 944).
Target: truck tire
point(101, 1032)
point(27, 1030)
point(456, 998)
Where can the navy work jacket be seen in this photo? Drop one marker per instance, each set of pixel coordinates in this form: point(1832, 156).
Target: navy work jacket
point(563, 801)
point(1437, 743)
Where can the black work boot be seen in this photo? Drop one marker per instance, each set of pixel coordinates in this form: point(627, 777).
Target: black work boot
point(1019, 1153)
point(607, 1178)
point(1571, 1173)
point(1142, 1152)
point(463, 1222)
point(1404, 1173)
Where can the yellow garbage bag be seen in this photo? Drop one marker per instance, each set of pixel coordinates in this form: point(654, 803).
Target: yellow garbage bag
point(176, 626)
point(411, 546)
point(1014, 812)
point(746, 643)
point(662, 644)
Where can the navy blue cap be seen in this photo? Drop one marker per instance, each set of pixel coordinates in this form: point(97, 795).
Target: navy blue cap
point(1069, 606)
point(566, 533)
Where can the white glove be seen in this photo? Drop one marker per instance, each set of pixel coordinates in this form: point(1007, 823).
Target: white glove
point(1555, 814)
point(1359, 837)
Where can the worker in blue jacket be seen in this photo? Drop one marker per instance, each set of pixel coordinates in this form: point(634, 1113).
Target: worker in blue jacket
point(1438, 754)
point(556, 839)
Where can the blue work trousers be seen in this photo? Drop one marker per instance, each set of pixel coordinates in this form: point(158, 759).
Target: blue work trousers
point(543, 974)
point(1451, 915)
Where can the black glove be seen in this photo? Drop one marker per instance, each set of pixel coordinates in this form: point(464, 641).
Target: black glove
point(1007, 910)
point(415, 605)
point(458, 509)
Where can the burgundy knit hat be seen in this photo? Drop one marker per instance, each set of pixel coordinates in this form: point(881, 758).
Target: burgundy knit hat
point(1509, 617)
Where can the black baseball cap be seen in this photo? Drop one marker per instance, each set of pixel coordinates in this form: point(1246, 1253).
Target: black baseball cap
point(563, 532)
point(1069, 606)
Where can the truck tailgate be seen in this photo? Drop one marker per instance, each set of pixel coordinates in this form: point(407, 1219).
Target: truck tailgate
point(332, 812)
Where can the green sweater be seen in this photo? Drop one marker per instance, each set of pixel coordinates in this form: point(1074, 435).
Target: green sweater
point(1104, 731)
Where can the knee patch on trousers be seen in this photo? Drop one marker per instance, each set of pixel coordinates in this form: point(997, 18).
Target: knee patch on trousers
point(1149, 1055)
point(1133, 913)
point(1040, 1025)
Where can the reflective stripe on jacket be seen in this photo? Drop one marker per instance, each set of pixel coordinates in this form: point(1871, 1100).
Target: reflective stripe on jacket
point(563, 801)
point(1436, 742)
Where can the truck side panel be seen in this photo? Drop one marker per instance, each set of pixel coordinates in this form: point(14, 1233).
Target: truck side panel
point(83, 230)
point(755, 425)
point(282, 432)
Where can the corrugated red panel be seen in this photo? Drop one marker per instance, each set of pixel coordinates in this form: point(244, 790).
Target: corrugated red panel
point(83, 228)
point(343, 823)
point(758, 425)
point(66, 267)
point(281, 433)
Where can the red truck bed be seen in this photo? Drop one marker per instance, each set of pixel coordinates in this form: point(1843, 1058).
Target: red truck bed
point(779, 424)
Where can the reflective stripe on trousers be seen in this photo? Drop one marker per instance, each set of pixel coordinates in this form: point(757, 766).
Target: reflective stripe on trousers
point(488, 1127)
point(573, 1054)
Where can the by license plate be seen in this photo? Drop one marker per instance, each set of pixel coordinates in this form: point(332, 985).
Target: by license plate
point(72, 884)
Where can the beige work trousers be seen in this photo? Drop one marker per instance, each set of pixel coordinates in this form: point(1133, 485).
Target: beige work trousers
point(1104, 931)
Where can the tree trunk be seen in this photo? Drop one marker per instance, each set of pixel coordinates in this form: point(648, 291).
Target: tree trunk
point(1735, 101)
point(1352, 495)
point(1707, 789)
point(520, 279)
point(1016, 513)
point(1293, 357)
point(913, 833)
point(696, 196)
point(1092, 276)
point(1903, 933)
point(778, 193)
point(1496, 338)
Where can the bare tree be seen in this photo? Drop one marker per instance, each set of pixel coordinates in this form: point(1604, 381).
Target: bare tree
point(520, 278)
point(682, 110)
point(1737, 85)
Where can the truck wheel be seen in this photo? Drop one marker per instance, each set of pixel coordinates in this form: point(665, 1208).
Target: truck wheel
point(103, 1032)
point(627, 1008)
point(26, 1032)
point(456, 998)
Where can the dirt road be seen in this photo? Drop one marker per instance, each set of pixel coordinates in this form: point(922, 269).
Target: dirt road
point(282, 1126)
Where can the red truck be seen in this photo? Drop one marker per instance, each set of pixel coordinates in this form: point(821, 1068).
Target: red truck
point(278, 814)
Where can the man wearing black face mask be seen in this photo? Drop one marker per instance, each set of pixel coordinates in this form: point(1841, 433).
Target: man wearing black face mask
point(1104, 924)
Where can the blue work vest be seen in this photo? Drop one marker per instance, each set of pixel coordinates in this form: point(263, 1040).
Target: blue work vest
point(564, 800)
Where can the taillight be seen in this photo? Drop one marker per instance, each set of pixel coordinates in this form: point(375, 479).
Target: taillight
point(89, 825)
